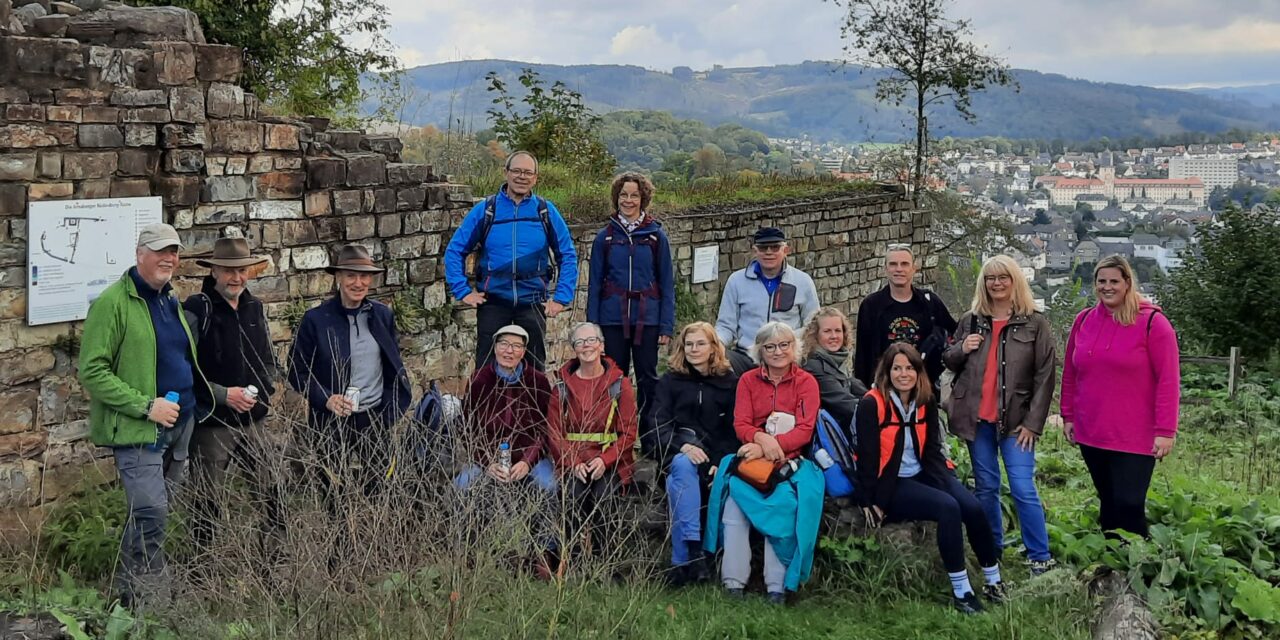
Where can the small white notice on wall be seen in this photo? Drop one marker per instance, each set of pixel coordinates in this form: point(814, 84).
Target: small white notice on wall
point(76, 248)
point(706, 263)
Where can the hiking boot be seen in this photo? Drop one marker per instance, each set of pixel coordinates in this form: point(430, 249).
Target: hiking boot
point(968, 605)
point(779, 599)
point(995, 593)
point(1040, 566)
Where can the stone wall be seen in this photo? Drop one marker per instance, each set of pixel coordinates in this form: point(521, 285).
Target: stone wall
point(135, 103)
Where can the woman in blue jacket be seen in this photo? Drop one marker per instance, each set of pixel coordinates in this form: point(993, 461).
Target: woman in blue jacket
point(631, 292)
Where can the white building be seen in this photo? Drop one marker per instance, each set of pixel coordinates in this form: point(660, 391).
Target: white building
point(1215, 170)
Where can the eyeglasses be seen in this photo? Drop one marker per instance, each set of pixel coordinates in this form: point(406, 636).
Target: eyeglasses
point(776, 347)
point(522, 173)
point(507, 345)
point(769, 248)
point(701, 344)
point(585, 342)
point(1003, 278)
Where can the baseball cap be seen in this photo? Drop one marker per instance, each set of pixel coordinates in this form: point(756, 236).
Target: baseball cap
point(512, 330)
point(158, 236)
point(768, 235)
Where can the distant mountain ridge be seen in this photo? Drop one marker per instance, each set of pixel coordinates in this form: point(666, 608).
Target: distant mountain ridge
point(1260, 95)
point(837, 102)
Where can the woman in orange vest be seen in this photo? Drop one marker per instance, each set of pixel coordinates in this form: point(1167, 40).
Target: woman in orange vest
point(904, 476)
point(592, 430)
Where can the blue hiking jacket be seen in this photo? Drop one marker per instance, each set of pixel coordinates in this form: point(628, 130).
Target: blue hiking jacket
point(514, 263)
point(633, 266)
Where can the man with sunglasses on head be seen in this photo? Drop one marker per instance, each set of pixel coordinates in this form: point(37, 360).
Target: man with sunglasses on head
point(901, 312)
point(519, 243)
point(767, 290)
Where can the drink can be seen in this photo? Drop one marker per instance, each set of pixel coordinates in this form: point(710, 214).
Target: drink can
point(353, 396)
point(251, 392)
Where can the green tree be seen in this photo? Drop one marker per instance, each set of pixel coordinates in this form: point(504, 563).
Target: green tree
point(961, 235)
point(552, 124)
point(302, 57)
point(929, 60)
point(1225, 296)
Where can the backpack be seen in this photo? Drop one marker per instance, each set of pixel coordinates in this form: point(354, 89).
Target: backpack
point(608, 437)
point(612, 288)
point(481, 234)
point(832, 453)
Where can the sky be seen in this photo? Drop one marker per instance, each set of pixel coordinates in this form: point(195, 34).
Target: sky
point(1168, 43)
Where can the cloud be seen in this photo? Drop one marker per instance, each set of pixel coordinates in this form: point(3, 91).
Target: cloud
point(636, 39)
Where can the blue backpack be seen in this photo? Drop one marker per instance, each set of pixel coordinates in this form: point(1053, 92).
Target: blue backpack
point(832, 453)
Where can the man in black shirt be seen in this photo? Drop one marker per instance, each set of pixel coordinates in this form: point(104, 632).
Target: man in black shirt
point(901, 312)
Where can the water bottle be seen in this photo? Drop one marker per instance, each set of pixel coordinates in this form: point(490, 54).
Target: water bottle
point(172, 396)
point(823, 459)
point(504, 455)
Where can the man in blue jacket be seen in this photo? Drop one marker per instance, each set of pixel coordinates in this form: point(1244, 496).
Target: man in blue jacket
point(520, 241)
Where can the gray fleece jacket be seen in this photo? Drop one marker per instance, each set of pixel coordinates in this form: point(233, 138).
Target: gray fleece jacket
point(746, 305)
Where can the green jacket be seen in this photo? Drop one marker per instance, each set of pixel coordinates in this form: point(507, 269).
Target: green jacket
point(118, 366)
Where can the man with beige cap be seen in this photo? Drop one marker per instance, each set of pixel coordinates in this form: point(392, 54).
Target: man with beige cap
point(137, 349)
point(234, 347)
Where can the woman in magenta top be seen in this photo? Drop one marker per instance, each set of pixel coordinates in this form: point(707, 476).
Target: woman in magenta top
point(1120, 393)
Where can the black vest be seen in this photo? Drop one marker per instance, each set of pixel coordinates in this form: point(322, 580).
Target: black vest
point(234, 348)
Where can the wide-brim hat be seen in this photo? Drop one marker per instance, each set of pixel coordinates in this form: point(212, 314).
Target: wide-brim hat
point(354, 257)
point(231, 252)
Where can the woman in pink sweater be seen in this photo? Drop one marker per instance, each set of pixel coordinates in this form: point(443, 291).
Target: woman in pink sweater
point(1120, 393)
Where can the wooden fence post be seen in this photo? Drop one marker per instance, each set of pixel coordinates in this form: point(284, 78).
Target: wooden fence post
point(1233, 372)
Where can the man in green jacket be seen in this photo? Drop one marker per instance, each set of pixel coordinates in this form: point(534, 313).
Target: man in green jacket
point(136, 349)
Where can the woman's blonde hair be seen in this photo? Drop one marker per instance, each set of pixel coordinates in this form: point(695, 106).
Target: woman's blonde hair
point(1024, 302)
point(717, 365)
point(811, 330)
point(1127, 314)
point(923, 392)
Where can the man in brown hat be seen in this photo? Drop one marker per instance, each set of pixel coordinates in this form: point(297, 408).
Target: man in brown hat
point(346, 361)
point(233, 344)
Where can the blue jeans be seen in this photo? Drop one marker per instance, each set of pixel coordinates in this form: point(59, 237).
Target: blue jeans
point(542, 474)
point(1020, 465)
point(684, 501)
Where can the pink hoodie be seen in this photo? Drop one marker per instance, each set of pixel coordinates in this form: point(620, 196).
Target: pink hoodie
point(1120, 385)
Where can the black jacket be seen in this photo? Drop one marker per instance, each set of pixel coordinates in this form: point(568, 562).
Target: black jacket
point(692, 409)
point(878, 462)
point(234, 349)
point(935, 328)
point(840, 391)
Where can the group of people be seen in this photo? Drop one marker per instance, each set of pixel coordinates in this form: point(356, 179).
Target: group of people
point(731, 421)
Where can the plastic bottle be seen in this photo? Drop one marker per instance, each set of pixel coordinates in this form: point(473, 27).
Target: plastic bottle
point(172, 396)
point(504, 455)
point(823, 459)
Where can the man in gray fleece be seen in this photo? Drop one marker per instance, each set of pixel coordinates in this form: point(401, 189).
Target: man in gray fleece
point(766, 290)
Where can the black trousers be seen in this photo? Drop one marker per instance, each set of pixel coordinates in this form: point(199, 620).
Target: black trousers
point(495, 315)
point(740, 360)
point(644, 355)
point(1122, 480)
point(948, 503)
point(589, 508)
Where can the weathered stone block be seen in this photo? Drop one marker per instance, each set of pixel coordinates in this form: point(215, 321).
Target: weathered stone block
point(275, 209)
point(384, 201)
point(261, 164)
point(218, 214)
point(182, 135)
point(400, 248)
point(236, 166)
point(187, 104)
point(235, 136)
point(49, 191)
point(181, 191)
point(388, 146)
point(183, 160)
point(298, 232)
point(288, 163)
point(422, 270)
point(139, 162)
point(316, 203)
point(20, 483)
point(347, 202)
point(101, 135)
point(51, 26)
point(61, 60)
point(325, 173)
point(13, 199)
point(27, 136)
point(366, 169)
point(281, 185)
point(281, 137)
point(154, 115)
point(407, 174)
point(18, 166)
point(88, 164)
point(361, 227)
point(81, 96)
point(307, 258)
point(130, 188)
point(19, 367)
point(225, 101)
point(14, 94)
point(27, 112)
point(197, 241)
point(130, 97)
point(64, 113)
point(18, 410)
point(174, 63)
point(411, 199)
point(227, 189)
point(329, 229)
point(219, 63)
point(389, 225)
point(140, 135)
point(98, 114)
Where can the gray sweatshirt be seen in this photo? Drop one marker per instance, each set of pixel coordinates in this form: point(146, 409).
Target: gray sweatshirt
point(746, 305)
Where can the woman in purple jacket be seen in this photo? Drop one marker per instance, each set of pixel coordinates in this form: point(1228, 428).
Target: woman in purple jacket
point(1120, 393)
point(631, 290)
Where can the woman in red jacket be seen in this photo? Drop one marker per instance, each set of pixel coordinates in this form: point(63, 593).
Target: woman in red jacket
point(774, 413)
point(593, 428)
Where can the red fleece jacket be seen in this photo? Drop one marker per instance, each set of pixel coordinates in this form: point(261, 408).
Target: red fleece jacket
point(796, 394)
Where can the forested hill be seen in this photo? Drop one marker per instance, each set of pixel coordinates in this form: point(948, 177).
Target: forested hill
point(830, 101)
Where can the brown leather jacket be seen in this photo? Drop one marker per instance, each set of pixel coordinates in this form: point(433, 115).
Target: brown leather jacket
point(1025, 380)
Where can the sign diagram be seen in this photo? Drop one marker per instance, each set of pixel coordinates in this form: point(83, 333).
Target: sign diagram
point(77, 248)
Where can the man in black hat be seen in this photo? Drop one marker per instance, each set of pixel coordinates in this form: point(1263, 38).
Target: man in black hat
point(767, 290)
point(233, 344)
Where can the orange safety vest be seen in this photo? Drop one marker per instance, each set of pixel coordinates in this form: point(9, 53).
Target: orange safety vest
point(889, 430)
